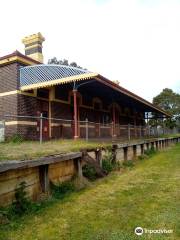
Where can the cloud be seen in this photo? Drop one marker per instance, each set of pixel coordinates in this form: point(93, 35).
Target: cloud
point(135, 42)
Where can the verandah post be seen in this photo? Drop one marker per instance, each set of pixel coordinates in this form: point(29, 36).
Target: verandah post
point(135, 128)
point(114, 121)
point(75, 114)
point(86, 129)
point(140, 129)
point(129, 132)
point(40, 128)
point(163, 127)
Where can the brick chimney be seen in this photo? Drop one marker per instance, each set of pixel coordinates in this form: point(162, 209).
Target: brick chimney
point(33, 46)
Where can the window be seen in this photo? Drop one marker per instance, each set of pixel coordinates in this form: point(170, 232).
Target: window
point(97, 104)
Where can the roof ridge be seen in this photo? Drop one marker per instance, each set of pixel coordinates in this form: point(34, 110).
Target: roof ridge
point(58, 65)
point(19, 54)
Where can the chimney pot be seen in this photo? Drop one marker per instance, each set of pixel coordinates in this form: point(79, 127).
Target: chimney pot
point(33, 46)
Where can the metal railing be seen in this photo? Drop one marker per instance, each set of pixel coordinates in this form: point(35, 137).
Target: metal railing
point(43, 128)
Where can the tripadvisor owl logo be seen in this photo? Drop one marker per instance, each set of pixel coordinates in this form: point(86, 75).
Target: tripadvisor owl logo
point(138, 231)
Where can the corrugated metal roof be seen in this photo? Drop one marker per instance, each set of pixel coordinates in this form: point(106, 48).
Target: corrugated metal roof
point(37, 76)
point(44, 73)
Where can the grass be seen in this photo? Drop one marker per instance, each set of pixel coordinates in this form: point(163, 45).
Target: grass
point(145, 195)
point(169, 135)
point(27, 150)
point(32, 149)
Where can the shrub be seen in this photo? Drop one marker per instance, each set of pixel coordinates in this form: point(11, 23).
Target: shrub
point(89, 172)
point(108, 156)
point(107, 166)
point(107, 162)
point(128, 163)
point(141, 157)
point(62, 188)
point(4, 216)
point(21, 203)
point(150, 151)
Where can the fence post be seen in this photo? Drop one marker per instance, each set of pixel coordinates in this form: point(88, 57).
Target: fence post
point(140, 129)
point(163, 128)
point(112, 129)
point(87, 129)
point(129, 132)
point(2, 131)
point(41, 126)
point(157, 130)
point(149, 131)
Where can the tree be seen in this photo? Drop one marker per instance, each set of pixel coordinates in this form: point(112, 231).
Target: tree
point(65, 62)
point(170, 102)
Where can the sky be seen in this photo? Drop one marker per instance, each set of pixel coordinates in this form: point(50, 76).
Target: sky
point(136, 42)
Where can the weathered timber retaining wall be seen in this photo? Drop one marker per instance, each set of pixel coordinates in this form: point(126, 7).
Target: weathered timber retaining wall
point(36, 173)
point(40, 172)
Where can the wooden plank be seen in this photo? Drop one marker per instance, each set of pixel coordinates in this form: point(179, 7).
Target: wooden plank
point(32, 192)
point(17, 173)
point(59, 170)
point(11, 184)
point(9, 165)
point(122, 145)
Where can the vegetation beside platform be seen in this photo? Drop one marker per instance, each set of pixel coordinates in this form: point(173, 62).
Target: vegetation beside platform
point(33, 149)
point(145, 194)
point(26, 150)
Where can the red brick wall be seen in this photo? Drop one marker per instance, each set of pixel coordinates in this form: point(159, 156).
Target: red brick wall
point(9, 77)
point(28, 132)
point(8, 82)
point(27, 106)
point(8, 105)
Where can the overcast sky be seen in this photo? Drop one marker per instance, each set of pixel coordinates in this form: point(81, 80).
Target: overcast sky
point(136, 42)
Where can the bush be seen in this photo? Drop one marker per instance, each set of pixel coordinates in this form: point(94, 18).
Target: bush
point(108, 156)
point(141, 157)
point(150, 151)
point(107, 162)
point(4, 216)
point(21, 203)
point(107, 166)
point(128, 163)
point(89, 172)
point(62, 188)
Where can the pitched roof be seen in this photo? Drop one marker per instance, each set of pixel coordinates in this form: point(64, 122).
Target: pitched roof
point(16, 56)
point(45, 73)
point(39, 76)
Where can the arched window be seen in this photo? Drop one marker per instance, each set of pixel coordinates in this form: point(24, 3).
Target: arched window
point(97, 103)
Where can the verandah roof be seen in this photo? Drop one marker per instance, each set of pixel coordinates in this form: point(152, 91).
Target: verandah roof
point(40, 76)
point(43, 74)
